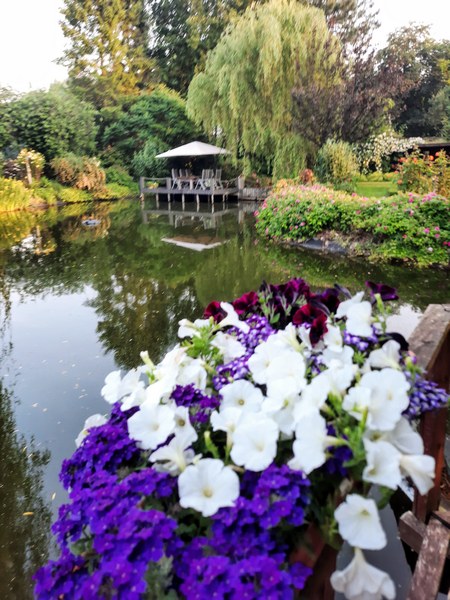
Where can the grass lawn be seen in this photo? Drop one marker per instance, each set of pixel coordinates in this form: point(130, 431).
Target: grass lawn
point(376, 189)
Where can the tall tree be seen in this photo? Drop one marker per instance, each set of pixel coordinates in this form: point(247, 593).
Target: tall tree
point(420, 61)
point(184, 31)
point(245, 89)
point(108, 48)
point(353, 21)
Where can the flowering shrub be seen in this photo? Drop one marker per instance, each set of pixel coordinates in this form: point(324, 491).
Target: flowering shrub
point(376, 152)
point(406, 227)
point(32, 163)
point(425, 173)
point(272, 414)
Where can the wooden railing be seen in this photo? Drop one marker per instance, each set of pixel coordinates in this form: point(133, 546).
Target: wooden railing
point(426, 529)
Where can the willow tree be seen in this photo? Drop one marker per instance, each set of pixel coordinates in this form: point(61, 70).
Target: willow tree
point(245, 91)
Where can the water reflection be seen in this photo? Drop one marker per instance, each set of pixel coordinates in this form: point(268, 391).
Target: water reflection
point(24, 515)
point(85, 289)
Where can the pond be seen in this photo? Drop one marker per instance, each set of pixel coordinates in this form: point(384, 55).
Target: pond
point(83, 290)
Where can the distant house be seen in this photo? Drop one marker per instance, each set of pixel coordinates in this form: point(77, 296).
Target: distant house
point(433, 145)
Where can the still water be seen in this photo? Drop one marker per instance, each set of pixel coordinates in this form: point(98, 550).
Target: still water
point(84, 290)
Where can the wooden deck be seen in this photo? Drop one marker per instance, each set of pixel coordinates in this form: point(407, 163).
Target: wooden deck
point(166, 190)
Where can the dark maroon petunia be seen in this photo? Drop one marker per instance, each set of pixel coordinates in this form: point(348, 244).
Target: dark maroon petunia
point(329, 298)
point(246, 303)
point(308, 314)
point(386, 291)
point(215, 311)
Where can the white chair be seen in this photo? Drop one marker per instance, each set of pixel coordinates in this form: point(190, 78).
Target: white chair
point(176, 183)
point(218, 179)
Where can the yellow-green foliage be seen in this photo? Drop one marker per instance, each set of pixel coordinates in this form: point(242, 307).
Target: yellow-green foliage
point(13, 195)
point(246, 88)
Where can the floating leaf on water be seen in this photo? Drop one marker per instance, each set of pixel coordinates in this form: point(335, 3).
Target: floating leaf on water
point(28, 514)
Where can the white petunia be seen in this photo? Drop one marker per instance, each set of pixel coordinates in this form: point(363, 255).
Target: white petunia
point(304, 334)
point(117, 387)
point(313, 397)
point(289, 367)
point(421, 469)
point(386, 356)
point(183, 424)
point(333, 338)
point(189, 329)
point(310, 444)
point(255, 442)
point(136, 398)
point(344, 356)
point(228, 345)
point(344, 307)
point(357, 401)
point(241, 394)
point(405, 439)
point(232, 318)
point(192, 371)
point(388, 398)
point(261, 359)
point(383, 464)
point(280, 407)
point(151, 425)
point(175, 456)
point(359, 523)
point(226, 420)
point(359, 319)
point(286, 338)
point(361, 581)
point(208, 486)
point(92, 421)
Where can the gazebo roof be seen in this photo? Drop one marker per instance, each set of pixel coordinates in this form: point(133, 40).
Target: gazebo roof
point(193, 149)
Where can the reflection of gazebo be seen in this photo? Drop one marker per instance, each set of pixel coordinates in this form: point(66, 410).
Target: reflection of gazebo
point(166, 185)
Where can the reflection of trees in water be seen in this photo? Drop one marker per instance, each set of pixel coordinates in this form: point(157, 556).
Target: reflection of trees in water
point(24, 540)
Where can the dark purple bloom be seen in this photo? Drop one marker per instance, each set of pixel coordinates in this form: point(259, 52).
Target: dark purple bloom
point(386, 291)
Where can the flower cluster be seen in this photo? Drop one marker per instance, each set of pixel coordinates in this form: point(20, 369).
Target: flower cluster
point(379, 148)
point(271, 416)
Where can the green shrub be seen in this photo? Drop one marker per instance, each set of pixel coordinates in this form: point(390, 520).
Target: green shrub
point(81, 172)
point(32, 163)
point(13, 195)
point(412, 228)
point(336, 163)
point(120, 175)
point(145, 163)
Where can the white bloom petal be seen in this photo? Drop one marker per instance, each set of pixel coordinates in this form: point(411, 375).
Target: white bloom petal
point(116, 388)
point(228, 345)
point(405, 439)
point(189, 329)
point(333, 338)
point(288, 367)
point(226, 420)
point(383, 464)
point(151, 425)
point(361, 581)
point(421, 469)
point(183, 425)
point(344, 356)
point(261, 359)
point(386, 356)
point(343, 307)
point(359, 319)
point(388, 398)
point(232, 318)
point(255, 442)
point(359, 523)
point(174, 457)
point(357, 401)
point(242, 394)
point(92, 421)
point(192, 372)
point(208, 486)
point(310, 444)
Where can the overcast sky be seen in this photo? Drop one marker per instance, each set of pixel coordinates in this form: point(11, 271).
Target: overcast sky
point(31, 38)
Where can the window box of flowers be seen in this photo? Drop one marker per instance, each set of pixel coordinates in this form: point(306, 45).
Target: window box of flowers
point(224, 470)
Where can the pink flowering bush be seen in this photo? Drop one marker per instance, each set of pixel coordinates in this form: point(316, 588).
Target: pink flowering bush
point(410, 227)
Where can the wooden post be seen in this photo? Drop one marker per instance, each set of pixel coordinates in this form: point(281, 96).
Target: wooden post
point(430, 342)
point(141, 187)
